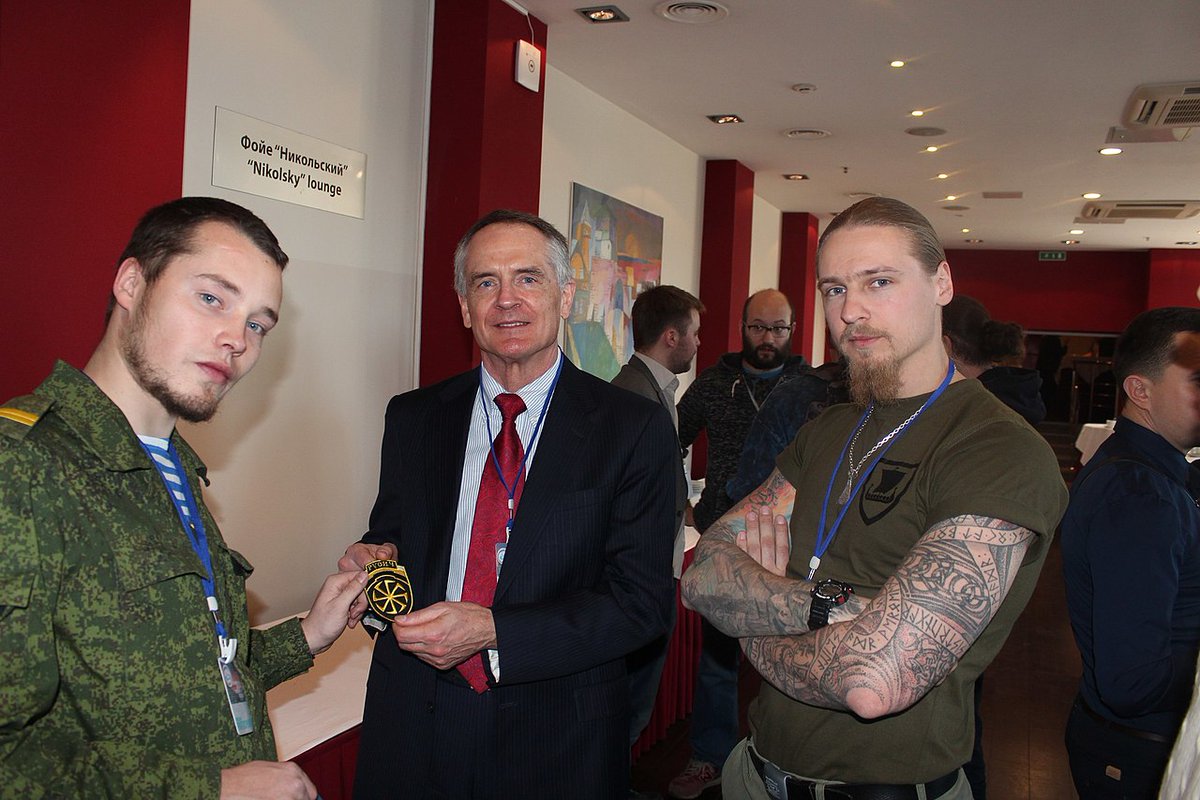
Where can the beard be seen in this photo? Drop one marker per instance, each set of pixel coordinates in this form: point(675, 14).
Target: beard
point(872, 380)
point(765, 355)
point(153, 382)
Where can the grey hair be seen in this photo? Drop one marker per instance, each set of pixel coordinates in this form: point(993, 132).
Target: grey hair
point(556, 245)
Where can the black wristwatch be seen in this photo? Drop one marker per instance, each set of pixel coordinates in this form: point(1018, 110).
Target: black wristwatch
point(826, 595)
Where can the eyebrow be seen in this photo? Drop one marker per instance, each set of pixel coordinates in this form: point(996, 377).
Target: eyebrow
point(236, 291)
point(863, 273)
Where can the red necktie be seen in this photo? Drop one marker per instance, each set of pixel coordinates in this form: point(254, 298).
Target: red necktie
point(488, 528)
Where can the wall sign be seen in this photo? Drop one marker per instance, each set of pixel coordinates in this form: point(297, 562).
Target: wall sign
point(254, 156)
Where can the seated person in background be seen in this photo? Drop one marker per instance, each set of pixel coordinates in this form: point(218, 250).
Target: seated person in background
point(992, 352)
point(1131, 564)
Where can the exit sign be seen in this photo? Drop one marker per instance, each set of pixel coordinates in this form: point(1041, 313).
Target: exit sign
point(1052, 255)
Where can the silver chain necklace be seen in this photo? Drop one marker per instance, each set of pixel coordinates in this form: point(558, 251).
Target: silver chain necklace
point(852, 468)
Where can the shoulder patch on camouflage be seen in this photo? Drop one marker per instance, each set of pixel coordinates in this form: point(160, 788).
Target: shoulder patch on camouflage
point(21, 414)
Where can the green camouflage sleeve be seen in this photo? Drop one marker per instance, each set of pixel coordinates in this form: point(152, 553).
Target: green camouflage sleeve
point(29, 678)
point(279, 653)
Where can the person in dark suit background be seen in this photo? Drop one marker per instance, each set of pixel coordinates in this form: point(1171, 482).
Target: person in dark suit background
point(666, 335)
point(518, 690)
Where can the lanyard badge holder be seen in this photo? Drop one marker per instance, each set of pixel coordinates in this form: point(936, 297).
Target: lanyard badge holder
point(193, 526)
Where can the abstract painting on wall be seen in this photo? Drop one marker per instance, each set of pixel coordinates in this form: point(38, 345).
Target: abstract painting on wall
point(616, 252)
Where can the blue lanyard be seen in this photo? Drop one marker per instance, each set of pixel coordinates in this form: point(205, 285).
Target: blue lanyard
point(194, 528)
point(825, 537)
point(512, 490)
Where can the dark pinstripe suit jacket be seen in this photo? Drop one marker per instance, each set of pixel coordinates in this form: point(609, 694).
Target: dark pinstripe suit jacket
point(586, 580)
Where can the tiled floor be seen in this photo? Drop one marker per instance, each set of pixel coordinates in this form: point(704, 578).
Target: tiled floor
point(1028, 691)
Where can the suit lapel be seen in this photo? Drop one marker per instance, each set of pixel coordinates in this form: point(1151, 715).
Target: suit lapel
point(451, 423)
point(566, 429)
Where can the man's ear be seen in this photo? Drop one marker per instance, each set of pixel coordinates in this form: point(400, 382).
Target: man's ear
point(1138, 390)
point(670, 337)
point(129, 283)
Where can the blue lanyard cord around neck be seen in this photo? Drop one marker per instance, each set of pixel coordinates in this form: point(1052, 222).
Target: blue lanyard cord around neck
point(512, 490)
point(825, 537)
point(194, 528)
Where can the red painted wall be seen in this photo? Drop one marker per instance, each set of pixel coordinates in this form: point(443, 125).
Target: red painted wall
point(798, 273)
point(1092, 291)
point(724, 257)
point(91, 135)
point(1174, 278)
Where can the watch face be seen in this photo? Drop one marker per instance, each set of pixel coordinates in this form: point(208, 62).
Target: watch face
point(830, 589)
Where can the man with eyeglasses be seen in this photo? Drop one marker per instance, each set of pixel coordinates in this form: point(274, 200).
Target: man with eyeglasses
point(723, 401)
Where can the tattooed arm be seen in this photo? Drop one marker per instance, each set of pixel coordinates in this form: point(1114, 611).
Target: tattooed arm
point(912, 634)
point(733, 589)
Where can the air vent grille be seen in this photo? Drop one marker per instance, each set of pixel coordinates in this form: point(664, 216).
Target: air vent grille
point(1164, 105)
point(1141, 209)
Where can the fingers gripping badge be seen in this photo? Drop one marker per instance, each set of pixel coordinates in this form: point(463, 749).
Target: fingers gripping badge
point(389, 593)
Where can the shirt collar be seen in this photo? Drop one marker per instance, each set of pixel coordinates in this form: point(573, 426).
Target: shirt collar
point(533, 393)
point(667, 381)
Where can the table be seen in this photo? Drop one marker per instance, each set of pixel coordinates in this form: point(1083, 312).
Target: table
point(1090, 437)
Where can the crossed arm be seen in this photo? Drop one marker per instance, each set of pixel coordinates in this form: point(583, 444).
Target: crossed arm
point(875, 657)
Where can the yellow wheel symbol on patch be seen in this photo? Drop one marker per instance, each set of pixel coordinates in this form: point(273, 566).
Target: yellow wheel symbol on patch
point(389, 592)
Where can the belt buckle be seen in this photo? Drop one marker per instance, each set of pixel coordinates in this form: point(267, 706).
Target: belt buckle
point(775, 781)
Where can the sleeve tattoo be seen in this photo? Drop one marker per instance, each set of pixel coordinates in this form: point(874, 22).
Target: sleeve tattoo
point(911, 635)
point(732, 591)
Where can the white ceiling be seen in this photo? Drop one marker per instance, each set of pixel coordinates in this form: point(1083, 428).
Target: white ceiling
point(1027, 91)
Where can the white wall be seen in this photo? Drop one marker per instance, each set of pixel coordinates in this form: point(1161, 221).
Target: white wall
point(293, 454)
point(766, 222)
point(586, 139)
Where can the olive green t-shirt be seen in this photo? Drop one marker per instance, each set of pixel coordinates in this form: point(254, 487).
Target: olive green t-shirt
point(966, 454)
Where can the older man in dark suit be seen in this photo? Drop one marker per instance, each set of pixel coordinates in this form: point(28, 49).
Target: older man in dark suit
point(539, 556)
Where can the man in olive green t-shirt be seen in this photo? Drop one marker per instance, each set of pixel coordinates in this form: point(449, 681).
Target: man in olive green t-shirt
point(880, 567)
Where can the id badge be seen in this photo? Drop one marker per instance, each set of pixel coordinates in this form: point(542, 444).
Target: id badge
point(500, 548)
point(235, 693)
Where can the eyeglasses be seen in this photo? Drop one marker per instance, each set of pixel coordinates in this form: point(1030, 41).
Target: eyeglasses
point(778, 331)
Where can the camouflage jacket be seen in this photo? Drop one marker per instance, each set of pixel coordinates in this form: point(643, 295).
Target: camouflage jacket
point(109, 684)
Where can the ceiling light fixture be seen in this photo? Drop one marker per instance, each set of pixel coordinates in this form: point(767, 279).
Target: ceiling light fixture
point(941, 176)
point(1070, 241)
point(603, 14)
point(949, 197)
point(795, 176)
point(973, 241)
point(725, 119)
point(897, 64)
point(1110, 151)
point(1092, 195)
point(966, 230)
point(931, 149)
point(803, 88)
point(1076, 231)
point(1189, 244)
point(916, 112)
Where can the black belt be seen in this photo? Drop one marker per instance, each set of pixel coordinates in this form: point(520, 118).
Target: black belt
point(796, 788)
point(1137, 733)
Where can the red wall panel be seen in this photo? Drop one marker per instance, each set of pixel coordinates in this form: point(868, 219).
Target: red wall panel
point(91, 135)
point(1092, 291)
point(1174, 278)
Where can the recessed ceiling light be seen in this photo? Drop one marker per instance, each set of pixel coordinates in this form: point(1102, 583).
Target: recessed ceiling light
point(601, 14)
point(931, 149)
point(897, 64)
point(916, 112)
point(1091, 195)
point(803, 88)
point(973, 241)
point(1188, 244)
point(1110, 151)
point(1076, 231)
point(1070, 241)
point(795, 176)
point(950, 197)
point(693, 12)
point(966, 230)
point(941, 176)
point(725, 119)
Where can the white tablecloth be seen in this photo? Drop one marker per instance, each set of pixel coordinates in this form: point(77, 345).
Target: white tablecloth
point(1090, 437)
